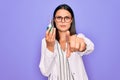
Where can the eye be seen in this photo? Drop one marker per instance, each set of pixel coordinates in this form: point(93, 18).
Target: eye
point(67, 18)
point(59, 17)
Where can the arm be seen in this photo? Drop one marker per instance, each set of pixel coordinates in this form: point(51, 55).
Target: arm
point(47, 59)
point(89, 45)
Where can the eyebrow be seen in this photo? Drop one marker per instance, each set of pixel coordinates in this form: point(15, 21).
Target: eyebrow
point(62, 16)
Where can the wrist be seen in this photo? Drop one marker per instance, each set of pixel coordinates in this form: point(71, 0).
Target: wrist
point(51, 48)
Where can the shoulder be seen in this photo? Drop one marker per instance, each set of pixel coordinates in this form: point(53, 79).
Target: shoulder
point(81, 35)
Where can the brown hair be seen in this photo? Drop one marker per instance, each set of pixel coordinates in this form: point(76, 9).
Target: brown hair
point(72, 27)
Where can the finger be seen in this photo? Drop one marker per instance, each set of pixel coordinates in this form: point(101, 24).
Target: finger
point(53, 34)
point(68, 54)
point(68, 44)
point(68, 51)
point(47, 34)
point(77, 44)
point(82, 46)
point(67, 36)
point(72, 43)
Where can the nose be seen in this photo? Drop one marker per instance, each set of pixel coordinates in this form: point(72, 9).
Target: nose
point(63, 20)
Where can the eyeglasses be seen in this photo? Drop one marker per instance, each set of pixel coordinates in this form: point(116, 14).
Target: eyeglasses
point(60, 19)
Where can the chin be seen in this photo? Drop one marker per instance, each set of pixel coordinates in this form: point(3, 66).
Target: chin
point(63, 30)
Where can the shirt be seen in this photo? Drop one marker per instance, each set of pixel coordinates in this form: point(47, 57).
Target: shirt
point(51, 66)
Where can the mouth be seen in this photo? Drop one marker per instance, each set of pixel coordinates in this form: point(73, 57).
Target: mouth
point(63, 26)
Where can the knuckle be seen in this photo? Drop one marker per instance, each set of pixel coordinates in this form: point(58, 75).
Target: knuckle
point(77, 47)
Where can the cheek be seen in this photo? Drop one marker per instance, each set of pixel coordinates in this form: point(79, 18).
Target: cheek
point(57, 25)
point(68, 25)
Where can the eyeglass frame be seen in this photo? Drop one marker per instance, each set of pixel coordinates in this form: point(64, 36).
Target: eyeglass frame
point(61, 18)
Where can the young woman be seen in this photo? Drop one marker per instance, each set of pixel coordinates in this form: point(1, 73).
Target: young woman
point(62, 49)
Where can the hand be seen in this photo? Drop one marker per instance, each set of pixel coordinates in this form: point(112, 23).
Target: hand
point(50, 38)
point(74, 44)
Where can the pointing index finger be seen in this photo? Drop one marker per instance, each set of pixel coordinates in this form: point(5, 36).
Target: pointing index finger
point(67, 36)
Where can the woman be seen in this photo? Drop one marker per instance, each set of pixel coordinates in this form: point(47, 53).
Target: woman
point(62, 49)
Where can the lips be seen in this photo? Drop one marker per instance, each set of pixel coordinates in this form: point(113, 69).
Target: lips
point(62, 26)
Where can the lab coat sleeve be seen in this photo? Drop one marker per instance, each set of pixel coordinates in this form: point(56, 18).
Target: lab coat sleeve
point(89, 45)
point(47, 59)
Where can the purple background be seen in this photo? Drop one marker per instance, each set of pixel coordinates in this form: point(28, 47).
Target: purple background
point(23, 24)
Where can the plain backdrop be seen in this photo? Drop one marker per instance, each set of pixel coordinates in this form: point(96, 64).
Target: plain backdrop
point(23, 24)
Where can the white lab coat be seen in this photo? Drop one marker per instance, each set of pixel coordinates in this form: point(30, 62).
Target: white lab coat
point(49, 61)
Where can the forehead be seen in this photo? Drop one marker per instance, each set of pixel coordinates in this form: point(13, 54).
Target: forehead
point(63, 12)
